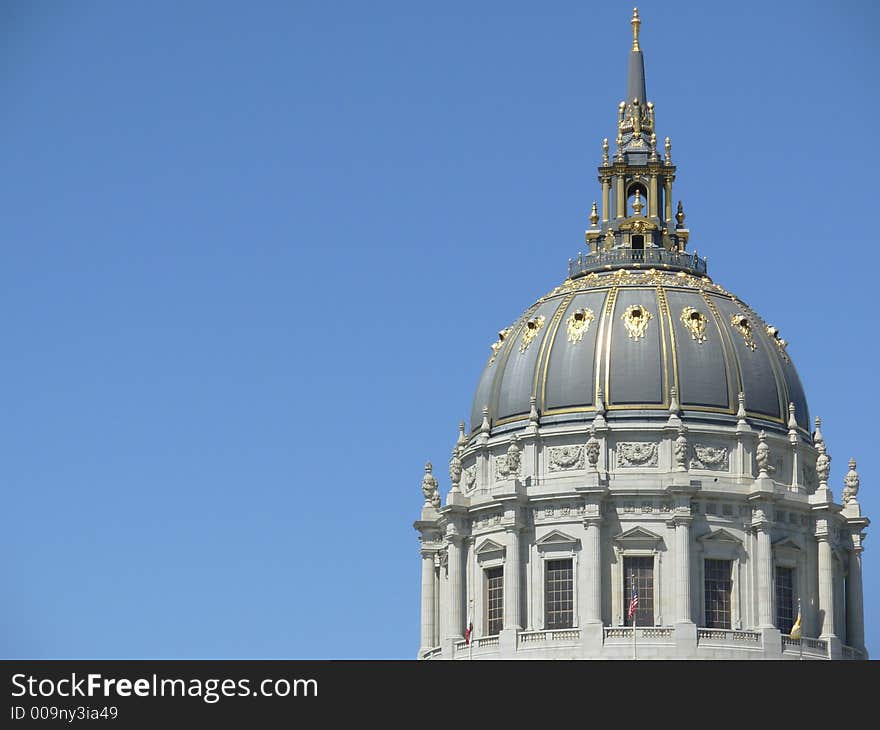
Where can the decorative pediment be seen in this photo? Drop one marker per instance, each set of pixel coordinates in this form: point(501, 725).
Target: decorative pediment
point(787, 543)
point(638, 537)
point(489, 548)
point(720, 537)
point(556, 540)
point(721, 544)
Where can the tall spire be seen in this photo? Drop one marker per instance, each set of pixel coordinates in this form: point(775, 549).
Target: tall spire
point(636, 219)
point(635, 80)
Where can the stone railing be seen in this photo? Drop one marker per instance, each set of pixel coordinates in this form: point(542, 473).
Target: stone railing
point(631, 257)
point(482, 643)
point(728, 635)
point(805, 645)
point(850, 652)
point(549, 635)
point(649, 633)
point(433, 653)
point(617, 633)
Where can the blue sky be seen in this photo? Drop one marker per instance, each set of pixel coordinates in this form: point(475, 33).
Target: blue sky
point(253, 256)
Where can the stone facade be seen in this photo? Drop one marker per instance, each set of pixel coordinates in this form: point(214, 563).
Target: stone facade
point(680, 519)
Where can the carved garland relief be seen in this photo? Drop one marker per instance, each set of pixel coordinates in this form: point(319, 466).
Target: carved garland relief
point(636, 454)
point(564, 458)
point(502, 468)
point(469, 478)
point(710, 458)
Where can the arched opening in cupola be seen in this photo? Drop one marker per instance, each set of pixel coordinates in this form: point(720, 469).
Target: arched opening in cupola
point(636, 200)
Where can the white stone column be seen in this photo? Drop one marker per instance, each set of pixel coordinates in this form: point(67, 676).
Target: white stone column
point(826, 586)
point(428, 601)
point(765, 577)
point(855, 610)
point(512, 581)
point(592, 555)
point(454, 627)
point(683, 570)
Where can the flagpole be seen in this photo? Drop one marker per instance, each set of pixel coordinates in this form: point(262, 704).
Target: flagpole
point(471, 642)
point(472, 561)
point(801, 634)
point(631, 589)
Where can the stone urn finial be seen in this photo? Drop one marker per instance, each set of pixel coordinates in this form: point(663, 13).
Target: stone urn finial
point(851, 483)
point(429, 487)
point(762, 456)
point(681, 449)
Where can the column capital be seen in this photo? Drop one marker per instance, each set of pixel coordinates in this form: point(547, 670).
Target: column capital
point(680, 520)
point(429, 552)
point(454, 537)
point(592, 520)
point(822, 529)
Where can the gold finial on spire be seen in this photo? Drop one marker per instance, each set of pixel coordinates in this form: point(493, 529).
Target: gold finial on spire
point(637, 203)
point(594, 215)
point(635, 24)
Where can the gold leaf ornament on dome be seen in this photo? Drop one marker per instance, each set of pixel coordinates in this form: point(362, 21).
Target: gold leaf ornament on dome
point(578, 323)
point(742, 325)
point(695, 322)
point(773, 333)
point(530, 331)
point(635, 319)
point(496, 346)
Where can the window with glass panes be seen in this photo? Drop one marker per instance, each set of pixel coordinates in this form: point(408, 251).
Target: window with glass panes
point(639, 571)
point(716, 588)
point(494, 600)
point(785, 599)
point(559, 594)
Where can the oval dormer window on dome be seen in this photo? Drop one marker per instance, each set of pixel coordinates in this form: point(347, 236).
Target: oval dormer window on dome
point(635, 319)
point(530, 331)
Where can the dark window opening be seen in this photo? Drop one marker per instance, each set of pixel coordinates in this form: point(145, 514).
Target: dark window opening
point(717, 592)
point(559, 594)
point(785, 599)
point(639, 571)
point(494, 600)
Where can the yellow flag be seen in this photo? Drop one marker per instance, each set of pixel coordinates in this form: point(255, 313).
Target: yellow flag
point(796, 629)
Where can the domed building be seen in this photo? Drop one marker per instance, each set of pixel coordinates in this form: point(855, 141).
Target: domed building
point(641, 478)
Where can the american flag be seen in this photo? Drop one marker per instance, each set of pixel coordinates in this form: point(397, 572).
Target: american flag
point(633, 602)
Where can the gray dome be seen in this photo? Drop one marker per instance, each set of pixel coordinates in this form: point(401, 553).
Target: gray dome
point(627, 337)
